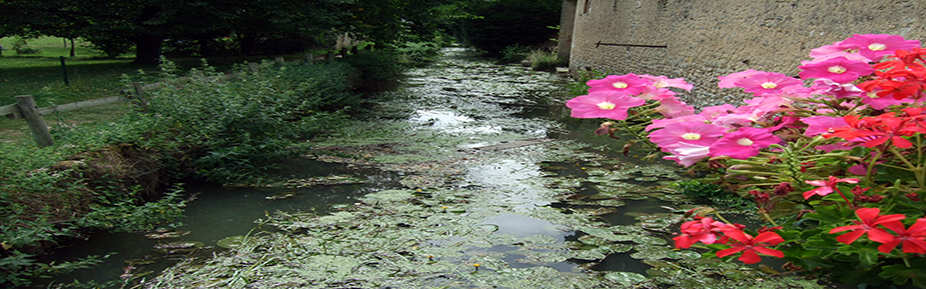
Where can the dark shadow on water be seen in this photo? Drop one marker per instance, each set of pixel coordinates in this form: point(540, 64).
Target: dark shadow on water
point(219, 212)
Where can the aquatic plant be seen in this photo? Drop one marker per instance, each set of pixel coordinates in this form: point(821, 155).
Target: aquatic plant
point(813, 157)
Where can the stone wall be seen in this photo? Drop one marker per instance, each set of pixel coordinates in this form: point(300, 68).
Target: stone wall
point(702, 39)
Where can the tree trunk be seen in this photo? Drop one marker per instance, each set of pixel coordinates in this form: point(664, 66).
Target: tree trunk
point(73, 53)
point(204, 48)
point(147, 49)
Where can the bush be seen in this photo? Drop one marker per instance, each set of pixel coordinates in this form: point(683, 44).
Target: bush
point(414, 54)
point(514, 53)
point(543, 59)
point(377, 68)
point(22, 47)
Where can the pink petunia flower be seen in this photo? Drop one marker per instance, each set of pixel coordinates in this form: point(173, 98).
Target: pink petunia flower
point(763, 82)
point(662, 82)
point(660, 123)
point(743, 143)
point(671, 107)
point(839, 69)
point(817, 125)
point(628, 84)
point(695, 133)
point(603, 104)
point(653, 93)
point(876, 46)
point(875, 101)
point(838, 90)
point(686, 154)
point(729, 80)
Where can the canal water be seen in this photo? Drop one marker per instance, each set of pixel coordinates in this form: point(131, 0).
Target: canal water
point(460, 108)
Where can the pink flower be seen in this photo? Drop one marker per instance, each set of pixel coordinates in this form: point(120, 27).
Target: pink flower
point(671, 107)
point(730, 80)
point(662, 81)
point(743, 143)
point(839, 69)
point(660, 123)
point(695, 133)
point(817, 125)
point(838, 90)
point(763, 82)
point(686, 154)
point(826, 187)
point(650, 92)
point(876, 46)
point(875, 101)
point(603, 104)
point(628, 84)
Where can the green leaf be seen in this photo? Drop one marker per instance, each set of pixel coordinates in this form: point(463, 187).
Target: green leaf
point(901, 274)
point(867, 253)
point(831, 214)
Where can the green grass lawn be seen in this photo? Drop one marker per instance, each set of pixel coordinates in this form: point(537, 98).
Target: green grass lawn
point(41, 75)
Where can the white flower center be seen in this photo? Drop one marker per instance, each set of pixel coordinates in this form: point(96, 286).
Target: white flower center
point(691, 136)
point(877, 46)
point(606, 106)
point(620, 84)
point(836, 69)
point(769, 85)
point(744, 142)
point(872, 94)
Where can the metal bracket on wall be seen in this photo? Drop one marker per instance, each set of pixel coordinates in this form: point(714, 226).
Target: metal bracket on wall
point(629, 45)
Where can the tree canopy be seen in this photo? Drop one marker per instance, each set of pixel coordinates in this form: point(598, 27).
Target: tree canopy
point(272, 26)
point(147, 24)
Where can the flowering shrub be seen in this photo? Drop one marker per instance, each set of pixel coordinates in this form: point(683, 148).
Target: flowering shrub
point(835, 161)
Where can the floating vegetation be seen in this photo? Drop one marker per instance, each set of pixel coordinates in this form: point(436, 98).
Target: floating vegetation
point(306, 182)
point(166, 235)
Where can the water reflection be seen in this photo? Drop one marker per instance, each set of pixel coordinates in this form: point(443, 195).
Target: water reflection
point(220, 212)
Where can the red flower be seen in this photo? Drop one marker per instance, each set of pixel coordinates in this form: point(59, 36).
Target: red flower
point(870, 220)
point(705, 230)
point(913, 238)
point(742, 242)
point(826, 187)
point(878, 130)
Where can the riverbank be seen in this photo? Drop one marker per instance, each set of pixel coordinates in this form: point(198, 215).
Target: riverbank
point(499, 192)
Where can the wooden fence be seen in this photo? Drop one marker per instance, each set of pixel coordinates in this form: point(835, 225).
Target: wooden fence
point(13, 112)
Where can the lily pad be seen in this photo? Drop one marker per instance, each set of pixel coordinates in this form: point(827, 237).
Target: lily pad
point(625, 278)
point(230, 242)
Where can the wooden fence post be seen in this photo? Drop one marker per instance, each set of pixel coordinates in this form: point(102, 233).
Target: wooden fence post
point(36, 123)
point(309, 58)
point(140, 98)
